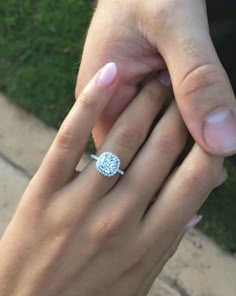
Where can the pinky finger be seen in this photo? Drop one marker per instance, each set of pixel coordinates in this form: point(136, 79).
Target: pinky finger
point(182, 196)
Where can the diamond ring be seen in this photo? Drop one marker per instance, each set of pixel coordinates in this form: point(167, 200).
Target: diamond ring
point(108, 164)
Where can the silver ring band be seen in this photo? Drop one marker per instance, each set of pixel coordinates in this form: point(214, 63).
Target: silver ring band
point(107, 164)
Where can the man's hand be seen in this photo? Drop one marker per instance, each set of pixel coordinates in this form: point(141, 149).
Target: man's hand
point(143, 37)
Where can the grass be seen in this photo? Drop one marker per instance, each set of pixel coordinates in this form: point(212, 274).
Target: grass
point(40, 48)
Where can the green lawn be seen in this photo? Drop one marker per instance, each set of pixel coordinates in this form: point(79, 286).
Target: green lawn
point(40, 49)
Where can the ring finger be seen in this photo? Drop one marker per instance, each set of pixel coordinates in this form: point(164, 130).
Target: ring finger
point(65, 152)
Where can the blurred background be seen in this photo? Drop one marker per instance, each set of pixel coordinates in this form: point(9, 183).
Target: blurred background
point(40, 47)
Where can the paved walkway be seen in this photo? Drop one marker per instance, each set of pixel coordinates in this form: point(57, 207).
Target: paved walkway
point(200, 268)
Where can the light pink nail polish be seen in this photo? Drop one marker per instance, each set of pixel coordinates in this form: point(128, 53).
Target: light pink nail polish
point(220, 131)
point(165, 78)
point(107, 75)
point(194, 222)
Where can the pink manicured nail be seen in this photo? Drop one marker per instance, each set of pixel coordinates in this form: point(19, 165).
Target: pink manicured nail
point(194, 222)
point(165, 78)
point(107, 75)
point(220, 131)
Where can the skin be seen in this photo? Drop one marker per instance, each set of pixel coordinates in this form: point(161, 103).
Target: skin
point(143, 37)
point(70, 230)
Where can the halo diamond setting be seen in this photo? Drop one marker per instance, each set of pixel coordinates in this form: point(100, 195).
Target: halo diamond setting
point(108, 164)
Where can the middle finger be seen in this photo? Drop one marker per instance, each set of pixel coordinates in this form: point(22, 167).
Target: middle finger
point(153, 164)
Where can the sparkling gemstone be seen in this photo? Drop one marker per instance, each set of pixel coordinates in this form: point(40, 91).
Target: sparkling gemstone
point(108, 164)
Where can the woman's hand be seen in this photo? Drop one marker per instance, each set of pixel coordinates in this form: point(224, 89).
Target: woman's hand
point(92, 235)
point(143, 36)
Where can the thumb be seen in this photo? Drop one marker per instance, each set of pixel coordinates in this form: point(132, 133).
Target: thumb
point(202, 89)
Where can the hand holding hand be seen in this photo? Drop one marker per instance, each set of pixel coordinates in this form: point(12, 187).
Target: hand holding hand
point(90, 235)
point(146, 36)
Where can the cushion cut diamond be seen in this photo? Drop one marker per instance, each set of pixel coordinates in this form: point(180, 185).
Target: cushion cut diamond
point(108, 164)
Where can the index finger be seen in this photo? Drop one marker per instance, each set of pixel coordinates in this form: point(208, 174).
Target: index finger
point(69, 145)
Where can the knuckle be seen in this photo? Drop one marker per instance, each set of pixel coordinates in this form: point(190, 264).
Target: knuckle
point(87, 102)
point(65, 137)
point(139, 257)
point(166, 7)
point(166, 11)
point(128, 137)
point(150, 91)
point(63, 222)
point(142, 253)
point(197, 179)
point(60, 221)
point(104, 229)
point(166, 145)
point(163, 12)
point(59, 237)
point(200, 78)
point(59, 226)
point(34, 209)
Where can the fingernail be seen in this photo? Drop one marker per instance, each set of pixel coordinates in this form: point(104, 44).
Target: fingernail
point(165, 78)
point(107, 75)
point(220, 131)
point(194, 222)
